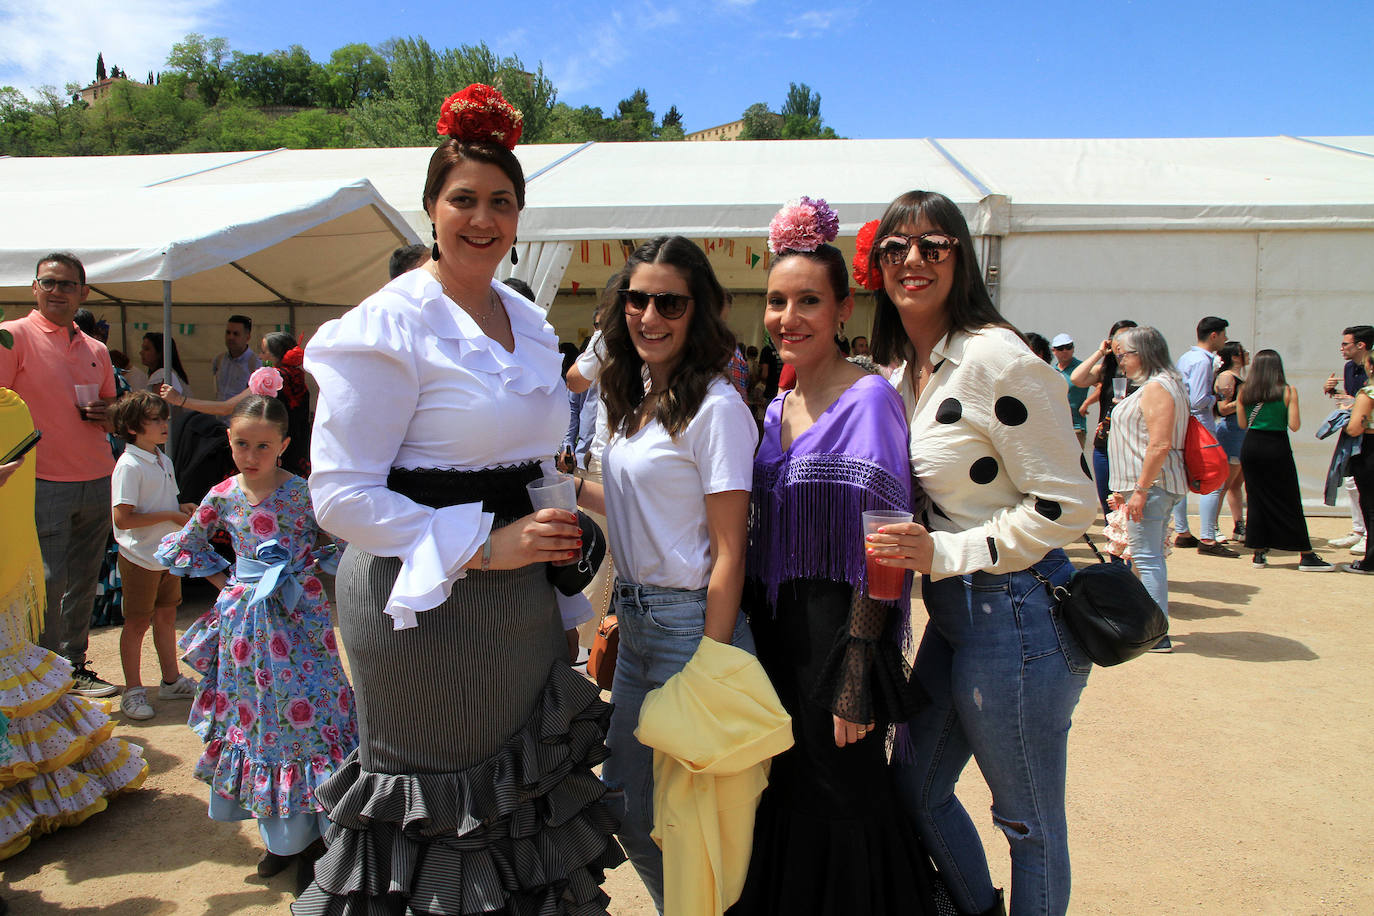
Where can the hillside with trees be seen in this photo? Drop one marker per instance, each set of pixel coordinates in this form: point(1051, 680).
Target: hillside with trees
point(209, 98)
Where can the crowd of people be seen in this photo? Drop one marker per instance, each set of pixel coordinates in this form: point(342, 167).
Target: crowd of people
point(765, 656)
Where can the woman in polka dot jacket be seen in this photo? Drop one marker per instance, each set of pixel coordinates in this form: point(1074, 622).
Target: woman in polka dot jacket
point(993, 447)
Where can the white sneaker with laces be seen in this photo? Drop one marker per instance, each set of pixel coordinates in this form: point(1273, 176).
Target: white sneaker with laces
point(134, 703)
point(1358, 548)
point(183, 689)
point(1348, 540)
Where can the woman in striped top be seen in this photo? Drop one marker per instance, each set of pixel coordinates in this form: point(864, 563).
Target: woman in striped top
point(1145, 454)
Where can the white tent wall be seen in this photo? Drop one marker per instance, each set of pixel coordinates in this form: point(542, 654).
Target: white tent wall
point(1290, 291)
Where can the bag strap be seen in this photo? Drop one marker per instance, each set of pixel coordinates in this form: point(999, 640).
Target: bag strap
point(1058, 593)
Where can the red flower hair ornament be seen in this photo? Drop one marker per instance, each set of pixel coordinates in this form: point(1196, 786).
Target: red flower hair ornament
point(866, 275)
point(480, 114)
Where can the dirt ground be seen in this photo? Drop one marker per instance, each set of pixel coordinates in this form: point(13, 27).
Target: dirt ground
point(1232, 776)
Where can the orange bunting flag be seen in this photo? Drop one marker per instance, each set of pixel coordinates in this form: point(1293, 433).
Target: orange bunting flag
point(730, 246)
point(748, 254)
point(586, 251)
point(606, 253)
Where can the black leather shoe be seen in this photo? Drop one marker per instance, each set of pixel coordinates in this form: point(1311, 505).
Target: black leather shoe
point(272, 864)
point(1185, 540)
point(1216, 550)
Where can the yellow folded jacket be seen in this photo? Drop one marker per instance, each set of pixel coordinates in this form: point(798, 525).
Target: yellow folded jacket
point(714, 728)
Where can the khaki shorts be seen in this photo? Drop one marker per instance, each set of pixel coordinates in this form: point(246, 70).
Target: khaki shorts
point(146, 589)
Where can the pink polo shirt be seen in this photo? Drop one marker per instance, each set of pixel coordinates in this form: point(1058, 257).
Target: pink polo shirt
point(43, 368)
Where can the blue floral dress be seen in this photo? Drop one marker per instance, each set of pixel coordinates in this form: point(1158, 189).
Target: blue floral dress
point(274, 705)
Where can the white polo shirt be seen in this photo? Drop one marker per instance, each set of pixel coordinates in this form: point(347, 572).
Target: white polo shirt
point(145, 481)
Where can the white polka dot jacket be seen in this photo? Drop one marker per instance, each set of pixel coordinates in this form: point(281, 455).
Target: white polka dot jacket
point(992, 445)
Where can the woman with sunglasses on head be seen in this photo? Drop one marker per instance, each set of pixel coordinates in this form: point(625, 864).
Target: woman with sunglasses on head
point(830, 836)
point(676, 474)
point(1145, 455)
point(440, 399)
point(992, 446)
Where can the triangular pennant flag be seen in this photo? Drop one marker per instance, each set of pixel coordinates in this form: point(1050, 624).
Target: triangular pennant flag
point(606, 253)
point(586, 251)
point(576, 286)
point(754, 261)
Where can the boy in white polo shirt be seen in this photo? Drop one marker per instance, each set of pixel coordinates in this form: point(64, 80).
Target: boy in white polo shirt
point(144, 509)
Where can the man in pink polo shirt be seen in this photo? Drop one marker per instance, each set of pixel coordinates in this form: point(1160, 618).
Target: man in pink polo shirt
point(50, 359)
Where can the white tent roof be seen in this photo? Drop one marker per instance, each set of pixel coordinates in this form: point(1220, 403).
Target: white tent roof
point(318, 241)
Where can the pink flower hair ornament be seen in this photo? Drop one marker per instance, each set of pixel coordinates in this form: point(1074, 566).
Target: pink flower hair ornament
point(480, 114)
point(265, 381)
point(803, 225)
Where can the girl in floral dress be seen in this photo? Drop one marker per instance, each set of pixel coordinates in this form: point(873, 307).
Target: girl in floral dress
point(274, 707)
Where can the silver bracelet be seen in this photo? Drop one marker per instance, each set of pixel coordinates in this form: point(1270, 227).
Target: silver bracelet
point(486, 554)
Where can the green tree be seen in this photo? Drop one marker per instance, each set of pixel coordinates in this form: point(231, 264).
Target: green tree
point(354, 73)
point(59, 124)
point(202, 63)
point(99, 65)
point(760, 123)
point(16, 124)
point(287, 77)
point(801, 115)
point(633, 120)
point(574, 125)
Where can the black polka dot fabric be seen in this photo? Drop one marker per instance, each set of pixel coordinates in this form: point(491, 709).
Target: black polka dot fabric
point(1010, 411)
point(950, 411)
point(1083, 463)
point(984, 470)
point(1048, 508)
point(938, 511)
point(992, 550)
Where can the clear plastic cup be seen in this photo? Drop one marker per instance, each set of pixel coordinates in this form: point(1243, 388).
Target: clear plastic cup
point(884, 582)
point(556, 492)
point(85, 396)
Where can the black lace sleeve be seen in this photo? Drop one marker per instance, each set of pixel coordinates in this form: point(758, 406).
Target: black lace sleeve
point(865, 679)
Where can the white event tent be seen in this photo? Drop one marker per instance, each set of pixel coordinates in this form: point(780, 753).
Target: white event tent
point(1271, 233)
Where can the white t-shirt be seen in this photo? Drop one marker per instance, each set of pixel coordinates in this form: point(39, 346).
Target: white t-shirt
point(145, 481)
point(656, 489)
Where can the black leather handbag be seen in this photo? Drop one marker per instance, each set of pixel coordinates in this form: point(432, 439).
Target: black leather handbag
point(1108, 611)
point(574, 577)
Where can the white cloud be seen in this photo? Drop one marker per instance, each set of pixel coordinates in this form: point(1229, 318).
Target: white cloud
point(50, 43)
point(812, 23)
point(605, 45)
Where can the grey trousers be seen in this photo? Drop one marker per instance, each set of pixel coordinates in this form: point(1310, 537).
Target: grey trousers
point(73, 528)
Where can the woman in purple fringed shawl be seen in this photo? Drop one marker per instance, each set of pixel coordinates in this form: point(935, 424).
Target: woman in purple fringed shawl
point(830, 836)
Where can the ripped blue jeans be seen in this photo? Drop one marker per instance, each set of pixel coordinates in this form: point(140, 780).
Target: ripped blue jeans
point(1003, 678)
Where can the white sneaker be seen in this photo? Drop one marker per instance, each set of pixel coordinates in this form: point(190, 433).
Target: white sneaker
point(183, 689)
point(1358, 548)
point(1348, 540)
point(134, 703)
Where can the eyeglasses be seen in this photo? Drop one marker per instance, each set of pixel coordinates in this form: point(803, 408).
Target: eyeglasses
point(933, 247)
point(1065, 347)
point(48, 284)
point(668, 305)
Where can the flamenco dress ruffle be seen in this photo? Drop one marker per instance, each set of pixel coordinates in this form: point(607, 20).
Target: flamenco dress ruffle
point(63, 765)
point(523, 832)
point(829, 835)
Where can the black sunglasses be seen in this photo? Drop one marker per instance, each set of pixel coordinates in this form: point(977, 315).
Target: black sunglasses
point(933, 247)
point(668, 305)
point(48, 284)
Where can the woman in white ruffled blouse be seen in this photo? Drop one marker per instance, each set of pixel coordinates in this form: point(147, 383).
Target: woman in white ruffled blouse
point(440, 398)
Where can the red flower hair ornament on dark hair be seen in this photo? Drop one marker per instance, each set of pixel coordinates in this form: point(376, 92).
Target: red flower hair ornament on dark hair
point(480, 114)
point(867, 276)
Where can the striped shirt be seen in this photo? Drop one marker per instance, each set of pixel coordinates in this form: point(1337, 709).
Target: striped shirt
point(1129, 438)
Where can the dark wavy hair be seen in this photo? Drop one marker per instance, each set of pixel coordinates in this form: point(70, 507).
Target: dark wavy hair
point(829, 257)
point(1266, 381)
point(130, 412)
point(155, 337)
point(451, 152)
point(705, 355)
point(969, 305)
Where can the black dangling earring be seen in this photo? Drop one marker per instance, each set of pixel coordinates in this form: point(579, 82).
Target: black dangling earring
point(434, 251)
point(514, 258)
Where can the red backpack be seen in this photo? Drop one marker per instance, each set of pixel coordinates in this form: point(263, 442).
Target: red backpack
point(1204, 460)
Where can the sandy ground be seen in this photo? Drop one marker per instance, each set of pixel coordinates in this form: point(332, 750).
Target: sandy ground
point(1232, 776)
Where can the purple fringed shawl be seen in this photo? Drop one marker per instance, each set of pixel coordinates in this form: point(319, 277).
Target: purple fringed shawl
point(806, 510)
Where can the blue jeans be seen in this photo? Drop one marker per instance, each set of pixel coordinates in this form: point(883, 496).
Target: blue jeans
point(1003, 678)
point(1100, 474)
point(1146, 538)
point(659, 631)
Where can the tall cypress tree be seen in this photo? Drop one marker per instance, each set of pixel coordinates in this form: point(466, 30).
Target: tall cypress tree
point(100, 65)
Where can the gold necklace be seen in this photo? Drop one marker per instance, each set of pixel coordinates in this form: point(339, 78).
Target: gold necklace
point(492, 300)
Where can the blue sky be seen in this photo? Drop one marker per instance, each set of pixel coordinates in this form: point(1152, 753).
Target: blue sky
point(921, 68)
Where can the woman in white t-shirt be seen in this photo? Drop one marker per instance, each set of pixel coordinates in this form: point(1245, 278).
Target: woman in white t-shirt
point(676, 476)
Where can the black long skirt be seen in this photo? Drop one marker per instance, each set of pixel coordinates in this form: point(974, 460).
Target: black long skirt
point(1273, 516)
point(830, 836)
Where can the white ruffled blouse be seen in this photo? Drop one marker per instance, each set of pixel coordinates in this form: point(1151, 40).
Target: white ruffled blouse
point(408, 380)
